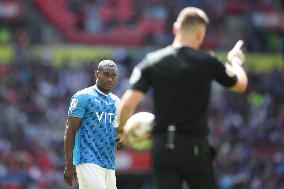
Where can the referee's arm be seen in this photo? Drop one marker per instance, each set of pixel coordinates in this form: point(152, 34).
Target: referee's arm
point(127, 106)
point(242, 80)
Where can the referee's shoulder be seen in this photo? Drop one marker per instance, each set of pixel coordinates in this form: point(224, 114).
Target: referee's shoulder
point(206, 57)
point(202, 53)
point(158, 54)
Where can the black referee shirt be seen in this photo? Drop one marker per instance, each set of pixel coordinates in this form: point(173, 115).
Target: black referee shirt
point(181, 81)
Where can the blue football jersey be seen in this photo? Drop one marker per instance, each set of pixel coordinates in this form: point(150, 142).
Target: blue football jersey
point(95, 138)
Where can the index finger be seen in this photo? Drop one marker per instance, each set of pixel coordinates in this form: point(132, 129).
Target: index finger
point(239, 44)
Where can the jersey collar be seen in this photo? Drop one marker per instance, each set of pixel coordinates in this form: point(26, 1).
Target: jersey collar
point(99, 91)
point(178, 45)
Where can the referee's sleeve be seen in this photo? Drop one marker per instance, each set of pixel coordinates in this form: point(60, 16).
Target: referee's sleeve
point(139, 79)
point(223, 75)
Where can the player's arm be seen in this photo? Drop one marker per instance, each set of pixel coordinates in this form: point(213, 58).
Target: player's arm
point(127, 105)
point(236, 58)
point(72, 125)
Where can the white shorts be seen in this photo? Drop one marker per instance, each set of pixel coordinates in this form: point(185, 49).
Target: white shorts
point(92, 176)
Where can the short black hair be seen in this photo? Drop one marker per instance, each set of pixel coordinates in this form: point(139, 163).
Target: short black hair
point(106, 63)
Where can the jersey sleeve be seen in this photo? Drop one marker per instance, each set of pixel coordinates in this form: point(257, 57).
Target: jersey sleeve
point(77, 106)
point(221, 74)
point(139, 78)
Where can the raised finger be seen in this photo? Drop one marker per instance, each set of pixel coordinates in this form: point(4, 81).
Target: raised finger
point(239, 45)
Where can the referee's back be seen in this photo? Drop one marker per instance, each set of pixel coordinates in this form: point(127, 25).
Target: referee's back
point(181, 80)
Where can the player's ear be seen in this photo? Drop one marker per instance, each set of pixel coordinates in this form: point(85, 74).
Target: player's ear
point(97, 73)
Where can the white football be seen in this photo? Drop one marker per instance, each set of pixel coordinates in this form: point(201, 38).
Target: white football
point(137, 131)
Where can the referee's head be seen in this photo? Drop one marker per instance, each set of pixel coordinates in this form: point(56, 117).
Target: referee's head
point(190, 26)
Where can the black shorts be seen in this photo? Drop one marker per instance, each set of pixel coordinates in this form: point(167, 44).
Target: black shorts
point(190, 161)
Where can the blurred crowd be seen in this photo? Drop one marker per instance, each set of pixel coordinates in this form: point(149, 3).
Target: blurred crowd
point(247, 129)
point(259, 22)
point(248, 132)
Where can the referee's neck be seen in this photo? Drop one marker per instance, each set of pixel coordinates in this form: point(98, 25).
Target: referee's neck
point(179, 42)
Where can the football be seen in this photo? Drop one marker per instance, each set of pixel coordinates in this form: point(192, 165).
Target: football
point(137, 131)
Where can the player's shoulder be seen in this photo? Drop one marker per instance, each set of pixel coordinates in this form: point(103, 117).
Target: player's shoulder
point(114, 97)
point(84, 92)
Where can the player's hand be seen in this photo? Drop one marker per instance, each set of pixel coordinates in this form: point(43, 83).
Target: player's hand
point(119, 141)
point(69, 174)
point(236, 54)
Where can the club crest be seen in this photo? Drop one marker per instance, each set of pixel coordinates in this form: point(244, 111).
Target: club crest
point(73, 103)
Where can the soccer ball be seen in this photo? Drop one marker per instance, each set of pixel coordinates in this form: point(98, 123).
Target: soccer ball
point(137, 131)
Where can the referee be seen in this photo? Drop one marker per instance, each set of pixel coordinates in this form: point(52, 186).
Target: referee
point(181, 76)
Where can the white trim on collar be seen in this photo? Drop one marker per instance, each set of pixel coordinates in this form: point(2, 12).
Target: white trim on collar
point(177, 45)
point(100, 91)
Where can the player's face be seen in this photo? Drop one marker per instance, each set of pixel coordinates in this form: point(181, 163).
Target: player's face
point(106, 79)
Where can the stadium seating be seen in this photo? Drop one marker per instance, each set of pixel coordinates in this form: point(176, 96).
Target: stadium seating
point(57, 13)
